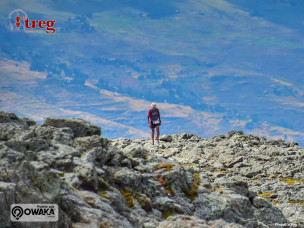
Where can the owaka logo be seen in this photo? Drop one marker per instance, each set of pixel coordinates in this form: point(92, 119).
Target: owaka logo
point(18, 19)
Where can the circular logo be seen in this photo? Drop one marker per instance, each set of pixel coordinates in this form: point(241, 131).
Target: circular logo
point(17, 212)
point(16, 18)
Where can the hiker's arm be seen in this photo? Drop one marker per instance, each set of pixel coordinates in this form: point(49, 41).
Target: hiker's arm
point(148, 116)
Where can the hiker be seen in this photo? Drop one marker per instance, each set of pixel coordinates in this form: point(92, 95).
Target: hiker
point(154, 120)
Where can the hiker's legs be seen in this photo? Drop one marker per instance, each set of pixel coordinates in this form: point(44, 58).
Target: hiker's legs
point(152, 135)
point(157, 131)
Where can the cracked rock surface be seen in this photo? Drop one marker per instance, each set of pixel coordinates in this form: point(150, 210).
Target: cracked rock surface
point(232, 180)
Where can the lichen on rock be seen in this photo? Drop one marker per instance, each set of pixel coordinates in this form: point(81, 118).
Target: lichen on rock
point(236, 180)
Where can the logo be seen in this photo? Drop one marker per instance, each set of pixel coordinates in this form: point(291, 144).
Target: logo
point(34, 212)
point(19, 20)
point(17, 212)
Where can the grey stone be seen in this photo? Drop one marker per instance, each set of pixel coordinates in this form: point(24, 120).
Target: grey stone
point(80, 127)
point(226, 181)
point(166, 138)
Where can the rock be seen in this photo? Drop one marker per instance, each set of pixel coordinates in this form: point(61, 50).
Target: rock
point(80, 127)
point(8, 117)
point(225, 181)
point(185, 221)
point(88, 176)
point(260, 202)
point(7, 197)
point(165, 204)
point(166, 138)
point(89, 209)
point(29, 122)
point(233, 133)
point(136, 151)
point(230, 161)
point(253, 173)
point(128, 178)
point(90, 142)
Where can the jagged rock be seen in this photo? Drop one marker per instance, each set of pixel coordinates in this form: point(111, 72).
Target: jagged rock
point(184, 221)
point(90, 142)
point(12, 127)
point(128, 178)
point(7, 197)
point(166, 138)
point(29, 122)
point(80, 127)
point(225, 181)
point(232, 133)
point(8, 117)
point(89, 209)
point(136, 151)
point(230, 161)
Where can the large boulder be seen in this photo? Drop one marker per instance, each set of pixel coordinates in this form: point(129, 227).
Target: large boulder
point(8, 117)
point(12, 127)
point(80, 127)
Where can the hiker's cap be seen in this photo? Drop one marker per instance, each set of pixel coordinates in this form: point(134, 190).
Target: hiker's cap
point(153, 105)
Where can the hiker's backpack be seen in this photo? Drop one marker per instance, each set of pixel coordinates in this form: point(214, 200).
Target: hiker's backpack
point(154, 114)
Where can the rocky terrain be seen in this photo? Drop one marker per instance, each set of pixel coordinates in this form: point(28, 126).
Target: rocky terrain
point(232, 180)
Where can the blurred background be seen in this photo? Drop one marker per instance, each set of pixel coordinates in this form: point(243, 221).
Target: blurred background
point(210, 65)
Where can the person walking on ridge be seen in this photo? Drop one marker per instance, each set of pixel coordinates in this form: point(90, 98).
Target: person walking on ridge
point(154, 121)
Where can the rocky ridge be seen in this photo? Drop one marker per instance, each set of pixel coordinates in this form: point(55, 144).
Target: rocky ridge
point(232, 180)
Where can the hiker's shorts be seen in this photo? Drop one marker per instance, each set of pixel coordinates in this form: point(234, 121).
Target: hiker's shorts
point(154, 125)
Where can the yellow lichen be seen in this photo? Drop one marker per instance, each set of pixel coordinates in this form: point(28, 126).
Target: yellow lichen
point(221, 171)
point(166, 167)
point(289, 181)
point(275, 202)
point(105, 225)
point(192, 193)
point(266, 195)
point(292, 181)
point(301, 203)
point(166, 214)
point(144, 170)
point(127, 194)
point(103, 195)
point(144, 202)
point(294, 202)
